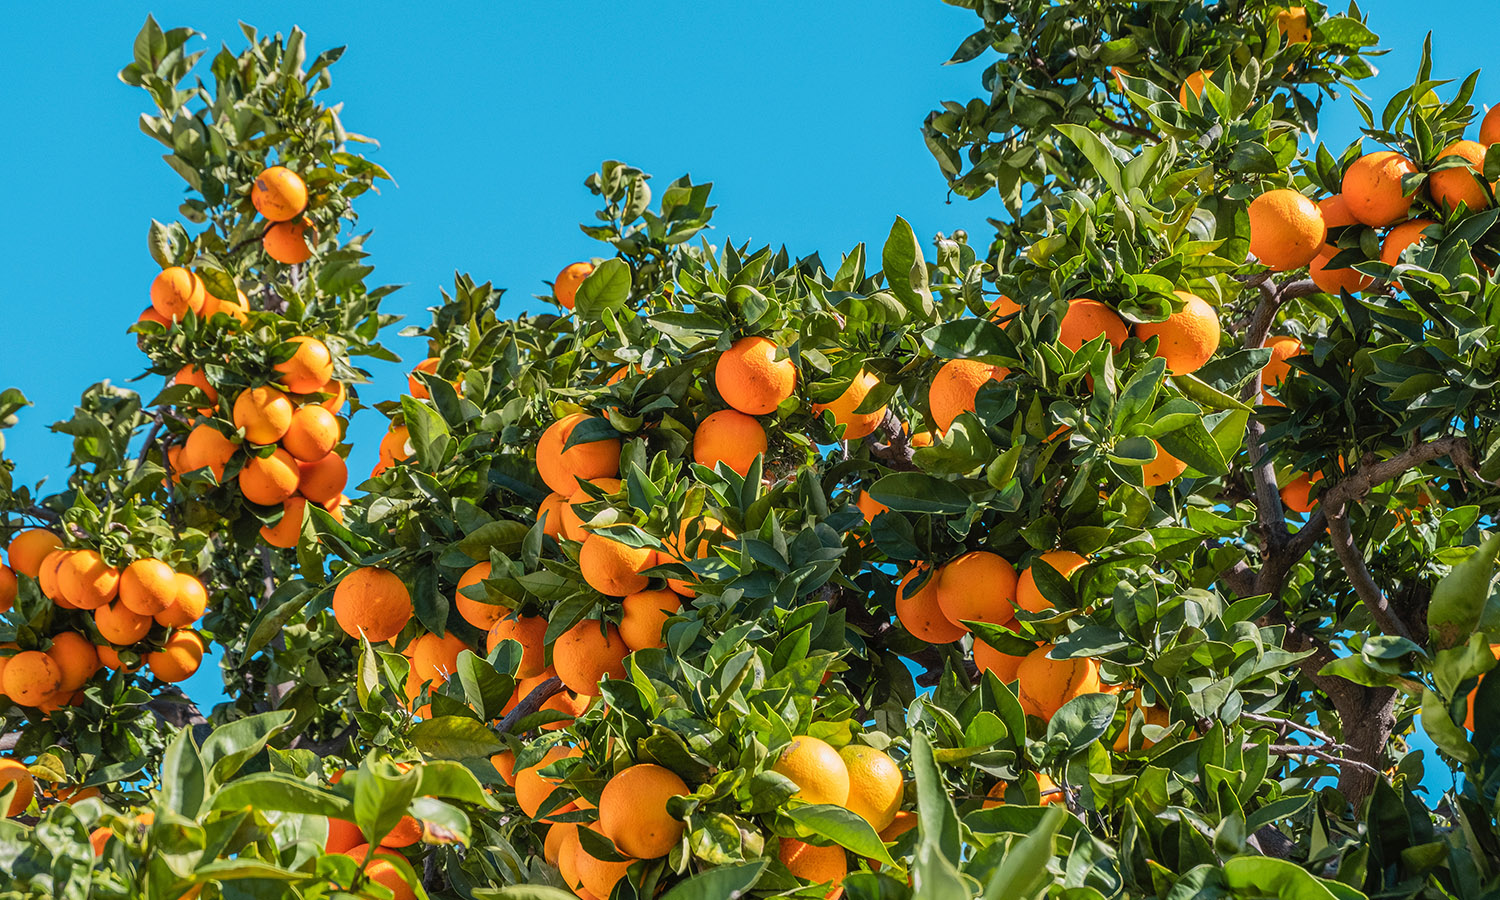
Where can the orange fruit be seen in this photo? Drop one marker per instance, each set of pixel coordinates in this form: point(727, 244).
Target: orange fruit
point(13, 772)
point(343, 836)
point(149, 314)
point(237, 309)
point(76, 659)
point(955, 387)
point(119, 625)
point(1489, 127)
point(633, 810)
point(533, 790)
point(373, 602)
point(287, 242)
point(476, 612)
point(383, 872)
point(597, 876)
point(978, 586)
point(588, 653)
point(269, 480)
point(529, 632)
point(264, 413)
point(560, 468)
point(1002, 307)
point(1293, 25)
point(396, 445)
point(524, 687)
point(288, 531)
point(505, 764)
point(1335, 212)
point(1188, 337)
point(988, 659)
point(1047, 789)
point(207, 448)
point(148, 586)
point(920, 614)
point(1152, 715)
point(614, 568)
point(30, 677)
point(434, 658)
point(751, 379)
point(279, 194)
point(1165, 468)
point(815, 865)
point(565, 287)
point(729, 437)
point(572, 521)
point(87, 580)
point(194, 376)
point(905, 821)
point(645, 616)
point(1063, 562)
point(1462, 184)
point(46, 577)
point(416, 386)
point(1087, 319)
point(309, 368)
point(1402, 236)
point(569, 848)
point(868, 506)
point(816, 768)
point(1333, 281)
point(9, 588)
point(693, 542)
point(550, 514)
point(921, 439)
point(110, 658)
point(1372, 188)
point(1286, 229)
point(1296, 495)
point(857, 425)
point(335, 507)
point(1044, 685)
point(338, 395)
point(178, 658)
point(312, 433)
point(323, 480)
point(176, 292)
point(1195, 83)
point(556, 834)
point(1277, 369)
point(875, 785)
point(28, 547)
point(189, 604)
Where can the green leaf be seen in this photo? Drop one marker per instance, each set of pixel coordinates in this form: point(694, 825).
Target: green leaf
point(937, 820)
point(1196, 447)
point(1448, 735)
point(920, 493)
point(1024, 865)
point(844, 828)
point(968, 338)
point(229, 746)
point(1270, 877)
point(607, 287)
point(1098, 152)
point(184, 778)
point(1082, 720)
point(428, 432)
point(1200, 392)
point(275, 791)
point(718, 883)
point(454, 737)
point(1458, 599)
point(906, 270)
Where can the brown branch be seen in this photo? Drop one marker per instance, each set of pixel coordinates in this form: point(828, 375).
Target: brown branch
point(896, 451)
point(43, 513)
point(1136, 130)
point(1359, 574)
point(146, 446)
point(9, 741)
point(530, 704)
point(325, 747)
point(1315, 751)
point(1282, 725)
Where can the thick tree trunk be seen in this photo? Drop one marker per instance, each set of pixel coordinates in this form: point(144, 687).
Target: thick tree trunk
point(1366, 718)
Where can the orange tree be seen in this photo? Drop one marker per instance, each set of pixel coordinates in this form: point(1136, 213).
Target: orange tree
point(1123, 558)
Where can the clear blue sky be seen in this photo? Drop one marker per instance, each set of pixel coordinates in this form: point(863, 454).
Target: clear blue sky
point(805, 115)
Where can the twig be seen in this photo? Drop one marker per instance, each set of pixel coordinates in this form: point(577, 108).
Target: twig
point(41, 512)
point(140, 460)
point(530, 704)
point(9, 741)
point(326, 747)
point(1318, 752)
point(1359, 574)
point(1136, 130)
point(1284, 724)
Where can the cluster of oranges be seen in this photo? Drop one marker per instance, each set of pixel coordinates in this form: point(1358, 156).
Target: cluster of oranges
point(104, 610)
point(280, 195)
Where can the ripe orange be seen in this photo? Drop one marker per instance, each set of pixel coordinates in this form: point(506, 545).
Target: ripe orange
point(435, 658)
point(572, 521)
point(476, 612)
point(149, 314)
point(978, 586)
point(565, 287)
point(569, 848)
point(373, 602)
point(955, 387)
point(27, 549)
point(1044, 685)
point(524, 687)
point(988, 659)
point(414, 385)
point(645, 615)
point(816, 768)
point(287, 242)
point(148, 586)
point(868, 506)
point(9, 589)
point(920, 614)
point(633, 811)
point(178, 658)
point(1195, 83)
point(505, 764)
point(30, 677)
point(1188, 337)
point(13, 772)
point(1047, 789)
point(189, 604)
point(237, 309)
point(207, 448)
point(110, 658)
point(343, 836)
point(1087, 319)
point(279, 194)
point(858, 425)
point(751, 379)
point(905, 821)
point(1333, 281)
point(1152, 715)
point(46, 577)
point(287, 532)
point(309, 368)
point(613, 568)
point(76, 659)
point(383, 872)
point(560, 469)
point(264, 413)
point(529, 632)
point(1296, 495)
point(1372, 188)
point(921, 439)
point(338, 395)
point(194, 376)
point(269, 480)
point(729, 437)
point(597, 876)
point(1402, 236)
point(119, 625)
point(312, 433)
point(175, 292)
point(323, 480)
point(1335, 211)
point(1002, 307)
point(1277, 369)
point(693, 541)
point(87, 580)
point(1489, 127)
point(396, 445)
point(1063, 562)
point(1461, 184)
point(1293, 25)
point(556, 834)
point(875, 785)
point(550, 514)
point(587, 653)
point(532, 789)
point(816, 865)
point(1163, 469)
point(1286, 229)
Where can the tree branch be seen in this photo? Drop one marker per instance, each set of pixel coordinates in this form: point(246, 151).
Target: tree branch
point(1359, 575)
point(1282, 725)
point(530, 704)
point(329, 746)
point(896, 451)
point(1317, 752)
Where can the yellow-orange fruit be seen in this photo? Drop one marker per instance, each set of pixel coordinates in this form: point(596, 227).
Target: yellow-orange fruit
point(565, 287)
point(207, 448)
point(1460, 184)
point(76, 659)
point(46, 577)
point(857, 425)
point(1333, 281)
point(310, 367)
point(1003, 307)
point(645, 615)
point(1335, 212)
point(343, 836)
point(868, 506)
point(816, 768)
point(373, 602)
point(279, 194)
point(505, 764)
point(875, 785)
point(586, 654)
point(1372, 188)
point(1277, 369)
point(9, 588)
point(572, 521)
point(905, 821)
point(110, 658)
point(264, 413)
point(750, 378)
point(598, 876)
point(556, 833)
point(1286, 229)
point(30, 677)
point(988, 659)
point(195, 377)
point(920, 614)
point(383, 872)
point(1087, 319)
point(1293, 25)
point(237, 309)
point(1063, 562)
point(532, 789)
point(693, 543)
point(1489, 127)
point(288, 531)
point(312, 433)
point(338, 395)
point(633, 810)
point(149, 314)
point(29, 547)
point(87, 580)
point(178, 658)
point(816, 865)
point(614, 568)
point(529, 632)
point(323, 480)
point(13, 772)
point(1047, 790)
point(550, 514)
point(269, 480)
point(1188, 337)
point(978, 586)
point(560, 469)
point(476, 612)
point(1195, 83)
point(176, 292)
point(730, 437)
point(119, 625)
point(1296, 495)
point(955, 387)
point(148, 586)
point(1402, 236)
point(1044, 684)
point(435, 658)
point(1163, 469)
point(189, 604)
point(287, 242)
point(414, 385)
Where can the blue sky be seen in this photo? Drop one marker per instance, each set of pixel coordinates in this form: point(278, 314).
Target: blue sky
point(805, 115)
